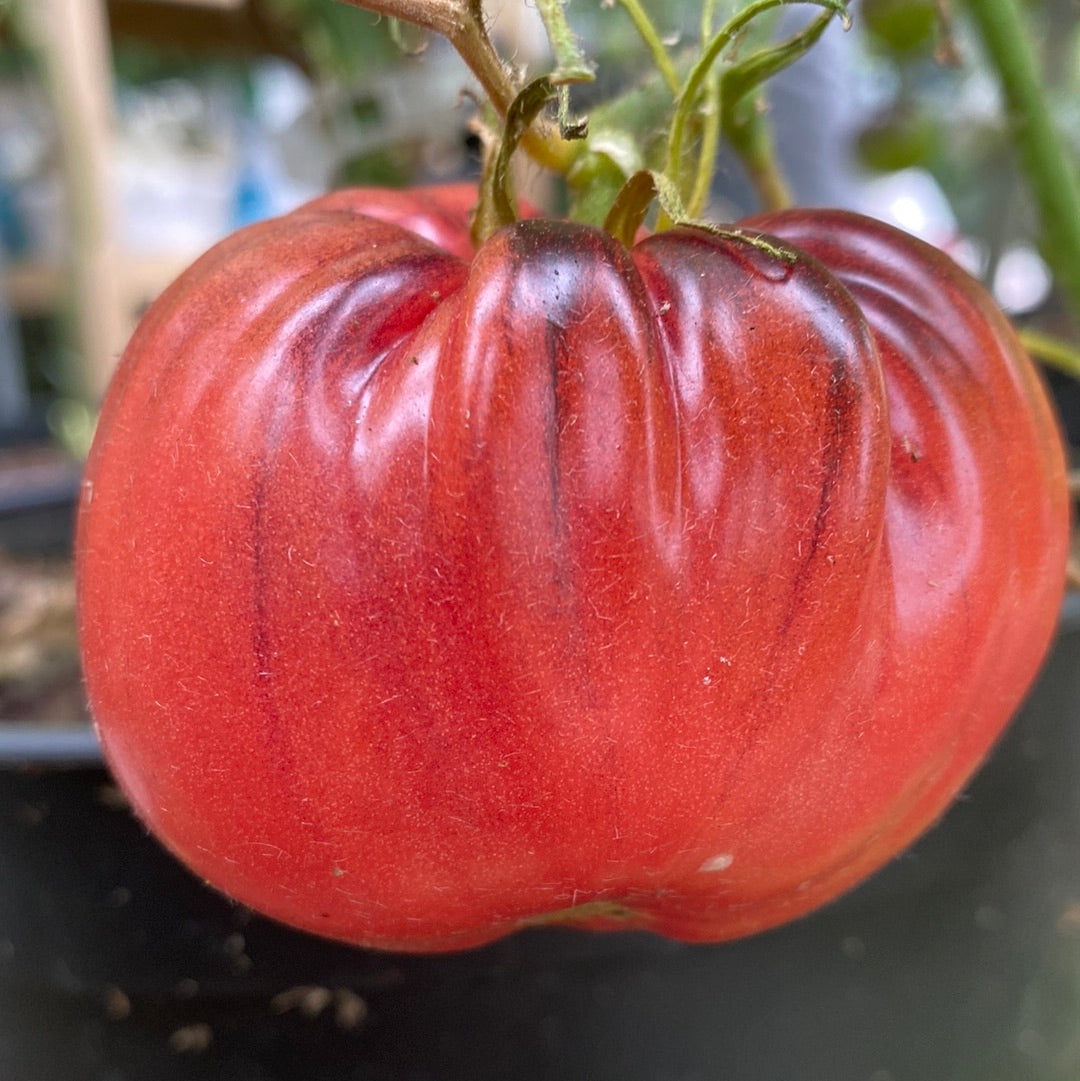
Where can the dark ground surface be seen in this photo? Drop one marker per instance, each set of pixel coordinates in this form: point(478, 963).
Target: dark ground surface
point(959, 962)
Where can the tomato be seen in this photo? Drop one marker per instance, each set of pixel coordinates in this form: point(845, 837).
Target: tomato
point(426, 595)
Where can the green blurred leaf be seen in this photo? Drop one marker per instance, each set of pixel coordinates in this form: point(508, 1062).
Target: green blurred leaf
point(902, 28)
point(900, 140)
point(342, 41)
point(748, 74)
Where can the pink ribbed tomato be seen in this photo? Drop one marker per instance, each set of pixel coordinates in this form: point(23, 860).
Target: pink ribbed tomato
point(428, 594)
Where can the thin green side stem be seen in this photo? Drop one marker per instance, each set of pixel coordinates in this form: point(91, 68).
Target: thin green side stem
point(498, 206)
point(752, 140)
point(1053, 352)
point(712, 123)
point(707, 10)
point(1051, 175)
point(692, 88)
point(706, 163)
point(571, 64)
point(651, 36)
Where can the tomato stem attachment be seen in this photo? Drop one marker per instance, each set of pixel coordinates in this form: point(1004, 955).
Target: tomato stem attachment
point(498, 206)
point(612, 911)
point(628, 211)
point(631, 205)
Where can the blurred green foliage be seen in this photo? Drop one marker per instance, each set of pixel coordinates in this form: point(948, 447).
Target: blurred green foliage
point(899, 27)
point(947, 114)
point(902, 138)
point(341, 41)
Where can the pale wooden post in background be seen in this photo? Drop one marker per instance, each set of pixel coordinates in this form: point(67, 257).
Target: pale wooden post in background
point(73, 42)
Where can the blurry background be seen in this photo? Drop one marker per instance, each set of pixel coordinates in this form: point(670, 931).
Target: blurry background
point(133, 135)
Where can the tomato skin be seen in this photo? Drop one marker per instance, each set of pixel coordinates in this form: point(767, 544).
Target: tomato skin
point(423, 598)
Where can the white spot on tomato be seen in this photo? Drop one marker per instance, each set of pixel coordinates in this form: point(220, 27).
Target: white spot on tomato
point(720, 862)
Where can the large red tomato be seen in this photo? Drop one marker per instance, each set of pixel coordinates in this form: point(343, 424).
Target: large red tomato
point(426, 595)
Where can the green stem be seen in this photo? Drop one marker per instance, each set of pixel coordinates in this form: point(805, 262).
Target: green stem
point(628, 211)
point(706, 163)
point(571, 65)
point(1053, 352)
point(752, 141)
point(461, 22)
point(707, 10)
point(1052, 177)
point(743, 117)
point(692, 88)
point(712, 124)
point(498, 206)
point(649, 34)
